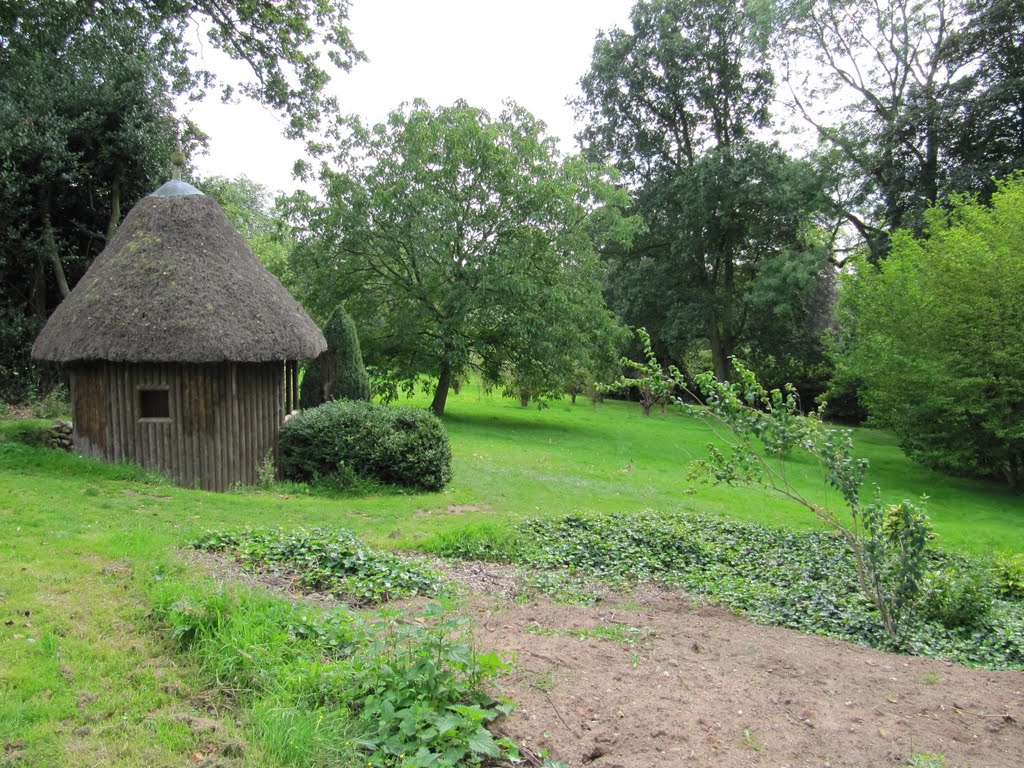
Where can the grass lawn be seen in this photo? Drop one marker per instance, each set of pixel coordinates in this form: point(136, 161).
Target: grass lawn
point(85, 679)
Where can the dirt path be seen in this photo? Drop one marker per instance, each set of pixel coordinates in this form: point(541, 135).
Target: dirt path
point(700, 686)
point(712, 689)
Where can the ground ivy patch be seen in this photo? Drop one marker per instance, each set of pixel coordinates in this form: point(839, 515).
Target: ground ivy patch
point(326, 560)
point(803, 580)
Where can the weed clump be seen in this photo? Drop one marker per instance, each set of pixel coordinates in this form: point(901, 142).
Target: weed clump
point(340, 687)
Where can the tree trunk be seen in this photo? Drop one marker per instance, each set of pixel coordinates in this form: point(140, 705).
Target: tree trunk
point(722, 336)
point(1015, 471)
point(524, 398)
point(115, 206)
point(441, 393)
point(37, 294)
point(50, 245)
point(721, 351)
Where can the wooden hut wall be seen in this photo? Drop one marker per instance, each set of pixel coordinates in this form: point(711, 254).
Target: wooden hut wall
point(222, 419)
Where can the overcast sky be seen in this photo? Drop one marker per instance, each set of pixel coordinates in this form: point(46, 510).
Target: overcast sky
point(484, 51)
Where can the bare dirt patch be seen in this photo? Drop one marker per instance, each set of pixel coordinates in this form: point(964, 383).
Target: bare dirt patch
point(695, 685)
point(452, 509)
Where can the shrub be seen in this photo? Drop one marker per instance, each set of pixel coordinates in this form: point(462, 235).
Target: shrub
point(936, 362)
point(21, 378)
point(1007, 572)
point(311, 389)
point(351, 382)
point(889, 542)
point(401, 446)
point(55, 404)
point(955, 599)
point(338, 373)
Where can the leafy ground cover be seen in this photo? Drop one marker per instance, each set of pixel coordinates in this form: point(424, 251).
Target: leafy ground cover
point(805, 580)
point(332, 561)
point(524, 462)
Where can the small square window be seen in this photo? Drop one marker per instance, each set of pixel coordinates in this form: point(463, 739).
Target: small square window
point(154, 404)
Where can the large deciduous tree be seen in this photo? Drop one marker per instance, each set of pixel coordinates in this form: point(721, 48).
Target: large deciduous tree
point(869, 76)
point(678, 103)
point(281, 43)
point(87, 123)
point(919, 99)
point(458, 241)
point(935, 337)
point(987, 126)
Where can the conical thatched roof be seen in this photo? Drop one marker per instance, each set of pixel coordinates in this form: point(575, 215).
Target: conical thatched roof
point(178, 283)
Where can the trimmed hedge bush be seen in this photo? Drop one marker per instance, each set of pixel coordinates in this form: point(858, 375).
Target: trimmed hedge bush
point(311, 389)
point(338, 373)
point(402, 446)
point(351, 380)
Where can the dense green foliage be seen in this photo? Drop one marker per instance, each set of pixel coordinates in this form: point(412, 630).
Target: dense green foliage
point(403, 446)
point(311, 388)
point(459, 241)
point(339, 372)
point(281, 45)
point(934, 336)
point(807, 581)
point(367, 689)
point(87, 125)
point(988, 128)
point(352, 380)
point(911, 101)
point(731, 260)
point(326, 560)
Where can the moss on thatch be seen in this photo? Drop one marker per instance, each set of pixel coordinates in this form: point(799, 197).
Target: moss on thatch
point(178, 283)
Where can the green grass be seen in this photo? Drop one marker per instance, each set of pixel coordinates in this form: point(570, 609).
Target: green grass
point(613, 633)
point(567, 458)
point(90, 679)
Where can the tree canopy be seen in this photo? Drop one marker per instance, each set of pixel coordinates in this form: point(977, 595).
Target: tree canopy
point(461, 242)
point(911, 101)
point(281, 43)
point(87, 124)
point(935, 336)
point(678, 104)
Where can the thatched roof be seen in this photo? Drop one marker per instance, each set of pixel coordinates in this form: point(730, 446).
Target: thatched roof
point(178, 283)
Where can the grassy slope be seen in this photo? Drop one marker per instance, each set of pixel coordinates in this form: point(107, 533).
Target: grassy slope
point(609, 457)
point(82, 680)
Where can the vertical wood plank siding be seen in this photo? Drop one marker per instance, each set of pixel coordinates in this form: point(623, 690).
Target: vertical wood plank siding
point(224, 418)
point(88, 396)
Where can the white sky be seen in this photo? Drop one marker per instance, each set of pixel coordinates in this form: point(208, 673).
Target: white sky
point(484, 51)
